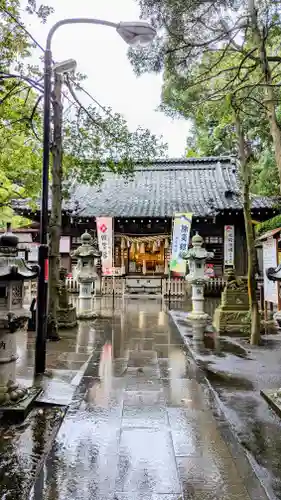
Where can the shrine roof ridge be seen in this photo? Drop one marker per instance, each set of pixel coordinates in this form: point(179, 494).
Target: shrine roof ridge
point(210, 162)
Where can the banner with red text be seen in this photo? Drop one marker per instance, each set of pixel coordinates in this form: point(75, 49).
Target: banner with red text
point(105, 240)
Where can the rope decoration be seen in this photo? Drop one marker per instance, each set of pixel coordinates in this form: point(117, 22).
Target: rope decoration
point(145, 239)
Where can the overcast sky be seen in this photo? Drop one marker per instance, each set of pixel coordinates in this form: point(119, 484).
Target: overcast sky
point(102, 55)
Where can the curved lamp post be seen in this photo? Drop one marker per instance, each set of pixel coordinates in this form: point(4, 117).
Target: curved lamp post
point(132, 33)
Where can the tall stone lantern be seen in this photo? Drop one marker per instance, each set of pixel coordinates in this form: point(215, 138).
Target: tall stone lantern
point(13, 272)
point(196, 258)
point(87, 255)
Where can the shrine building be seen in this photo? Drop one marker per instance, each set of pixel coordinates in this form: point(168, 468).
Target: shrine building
point(142, 208)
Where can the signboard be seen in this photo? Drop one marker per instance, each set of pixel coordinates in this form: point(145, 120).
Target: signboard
point(269, 260)
point(105, 240)
point(229, 246)
point(209, 270)
point(180, 242)
point(65, 244)
point(33, 252)
point(115, 271)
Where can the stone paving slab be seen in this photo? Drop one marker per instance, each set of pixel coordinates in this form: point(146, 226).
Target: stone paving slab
point(244, 464)
point(136, 433)
point(204, 479)
point(146, 462)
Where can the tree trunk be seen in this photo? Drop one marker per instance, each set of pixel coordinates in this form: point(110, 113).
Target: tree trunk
point(270, 99)
point(55, 220)
point(274, 129)
point(245, 165)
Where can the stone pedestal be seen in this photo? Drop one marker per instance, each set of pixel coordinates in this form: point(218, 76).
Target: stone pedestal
point(198, 301)
point(85, 289)
point(10, 391)
point(232, 316)
point(66, 313)
point(86, 308)
point(198, 328)
point(13, 317)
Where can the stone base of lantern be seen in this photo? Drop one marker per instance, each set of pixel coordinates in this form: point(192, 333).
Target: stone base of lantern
point(197, 298)
point(87, 315)
point(15, 400)
point(19, 409)
point(86, 309)
point(198, 327)
point(67, 317)
point(85, 289)
point(200, 315)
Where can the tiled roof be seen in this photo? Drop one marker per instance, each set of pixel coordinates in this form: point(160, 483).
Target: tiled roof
point(198, 185)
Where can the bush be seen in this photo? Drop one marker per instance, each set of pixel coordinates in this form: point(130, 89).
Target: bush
point(268, 225)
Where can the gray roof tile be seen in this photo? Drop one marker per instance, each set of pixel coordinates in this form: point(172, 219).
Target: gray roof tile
point(198, 185)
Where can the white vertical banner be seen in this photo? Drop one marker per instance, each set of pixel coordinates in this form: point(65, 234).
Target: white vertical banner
point(229, 239)
point(269, 260)
point(105, 240)
point(180, 242)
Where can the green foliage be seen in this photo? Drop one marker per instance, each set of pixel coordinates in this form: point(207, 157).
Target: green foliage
point(265, 174)
point(212, 61)
point(92, 138)
point(268, 225)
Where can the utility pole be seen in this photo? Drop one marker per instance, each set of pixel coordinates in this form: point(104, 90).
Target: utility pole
point(56, 209)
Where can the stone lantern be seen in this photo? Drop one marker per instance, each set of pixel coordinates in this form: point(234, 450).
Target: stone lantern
point(13, 272)
point(88, 256)
point(196, 257)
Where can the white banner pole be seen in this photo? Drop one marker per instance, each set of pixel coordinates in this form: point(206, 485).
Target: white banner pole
point(113, 260)
point(171, 243)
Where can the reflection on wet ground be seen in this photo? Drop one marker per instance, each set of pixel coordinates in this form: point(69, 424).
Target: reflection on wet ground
point(140, 424)
point(237, 372)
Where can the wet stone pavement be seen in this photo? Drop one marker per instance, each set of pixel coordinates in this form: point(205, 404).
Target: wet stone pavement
point(140, 425)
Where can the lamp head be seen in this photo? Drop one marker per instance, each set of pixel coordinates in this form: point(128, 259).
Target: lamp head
point(137, 32)
point(68, 66)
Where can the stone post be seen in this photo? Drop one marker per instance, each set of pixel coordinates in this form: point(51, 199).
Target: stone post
point(196, 257)
point(13, 272)
point(87, 255)
point(67, 317)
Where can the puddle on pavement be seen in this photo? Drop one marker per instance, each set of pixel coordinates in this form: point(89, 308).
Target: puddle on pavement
point(222, 378)
point(223, 346)
point(22, 447)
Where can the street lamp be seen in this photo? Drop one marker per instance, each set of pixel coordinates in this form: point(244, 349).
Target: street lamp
point(68, 66)
point(132, 33)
